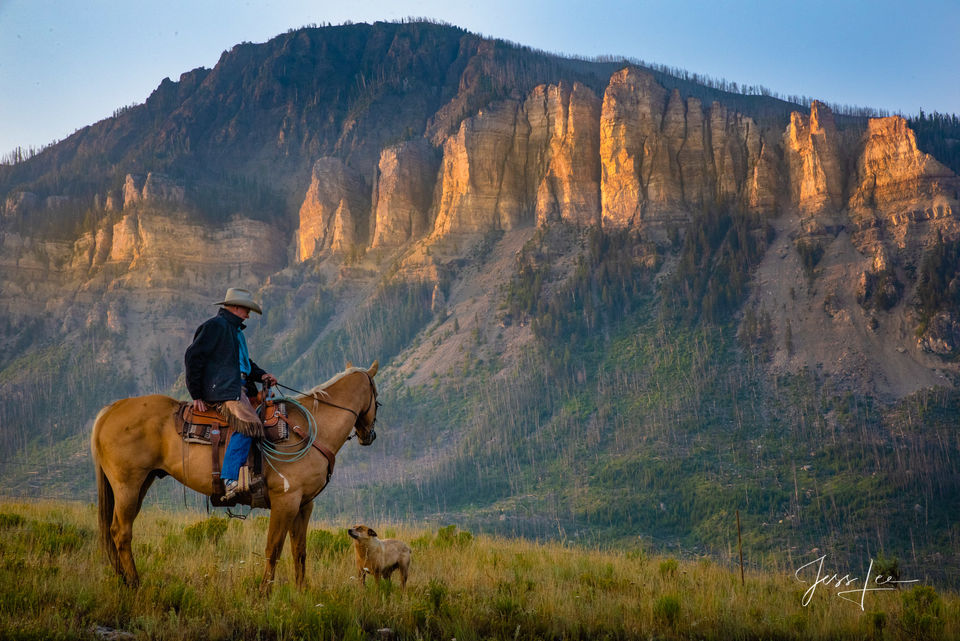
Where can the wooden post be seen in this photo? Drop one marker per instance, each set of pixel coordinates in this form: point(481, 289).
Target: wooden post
point(740, 547)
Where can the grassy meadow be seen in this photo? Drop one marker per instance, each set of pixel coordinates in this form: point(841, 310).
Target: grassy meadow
point(200, 578)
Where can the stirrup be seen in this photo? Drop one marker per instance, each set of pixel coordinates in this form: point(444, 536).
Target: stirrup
point(232, 488)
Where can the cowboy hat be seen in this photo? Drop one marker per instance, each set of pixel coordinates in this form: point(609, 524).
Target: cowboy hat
point(240, 298)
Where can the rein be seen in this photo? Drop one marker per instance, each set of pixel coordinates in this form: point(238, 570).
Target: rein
point(320, 400)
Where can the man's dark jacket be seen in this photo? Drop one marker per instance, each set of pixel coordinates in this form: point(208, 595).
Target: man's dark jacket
point(213, 360)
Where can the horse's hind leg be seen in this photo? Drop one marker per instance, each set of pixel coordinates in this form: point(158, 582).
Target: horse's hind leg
point(125, 510)
point(298, 543)
point(147, 482)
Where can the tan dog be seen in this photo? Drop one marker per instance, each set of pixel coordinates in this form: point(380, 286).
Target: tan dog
point(379, 557)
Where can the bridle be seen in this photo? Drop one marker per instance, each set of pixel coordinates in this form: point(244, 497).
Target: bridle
point(368, 434)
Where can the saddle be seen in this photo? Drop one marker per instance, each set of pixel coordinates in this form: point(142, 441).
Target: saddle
point(212, 428)
point(198, 427)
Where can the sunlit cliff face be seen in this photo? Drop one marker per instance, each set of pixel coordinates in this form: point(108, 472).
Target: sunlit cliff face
point(637, 157)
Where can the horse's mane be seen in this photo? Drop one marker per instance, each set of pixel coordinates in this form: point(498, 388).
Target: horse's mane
point(321, 388)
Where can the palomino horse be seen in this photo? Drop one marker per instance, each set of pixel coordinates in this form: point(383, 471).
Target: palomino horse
point(135, 441)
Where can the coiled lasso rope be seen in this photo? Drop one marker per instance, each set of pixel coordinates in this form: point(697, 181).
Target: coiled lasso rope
point(274, 454)
point(271, 453)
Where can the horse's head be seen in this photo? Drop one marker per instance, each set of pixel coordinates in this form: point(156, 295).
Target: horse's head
point(367, 419)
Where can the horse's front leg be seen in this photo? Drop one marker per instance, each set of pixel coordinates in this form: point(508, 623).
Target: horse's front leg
point(283, 510)
point(298, 543)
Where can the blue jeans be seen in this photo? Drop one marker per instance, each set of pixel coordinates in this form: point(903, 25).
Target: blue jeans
point(237, 451)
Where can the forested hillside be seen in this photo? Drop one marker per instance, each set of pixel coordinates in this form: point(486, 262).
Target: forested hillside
point(939, 135)
point(631, 414)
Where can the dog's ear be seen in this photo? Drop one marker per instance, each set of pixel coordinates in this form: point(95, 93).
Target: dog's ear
point(371, 532)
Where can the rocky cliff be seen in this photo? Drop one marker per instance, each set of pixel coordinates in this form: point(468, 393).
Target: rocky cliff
point(139, 286)
point(663, 157)
point(816, 173)
point(563, 153)
point(631, 147)
point(636, 157)
point(894, 183)
point(335, 213)
point(646, 158)
point(522, 161)
point(482, 183)
point(403, 193)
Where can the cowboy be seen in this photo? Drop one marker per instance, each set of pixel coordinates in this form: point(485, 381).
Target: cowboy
point(219, 371)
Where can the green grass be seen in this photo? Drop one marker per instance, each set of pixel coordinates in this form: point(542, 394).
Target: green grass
point(55, 583)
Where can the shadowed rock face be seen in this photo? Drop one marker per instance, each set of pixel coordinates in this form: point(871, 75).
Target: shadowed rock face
point(403, 193)
point(153, 189)
point(20, 203)
point(161, 188)
point(334, 211)
point(763, 187)
point(153, 242)
point(728, 136)
point(695, 165)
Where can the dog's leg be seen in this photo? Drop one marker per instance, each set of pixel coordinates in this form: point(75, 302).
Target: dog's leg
point(361, 567)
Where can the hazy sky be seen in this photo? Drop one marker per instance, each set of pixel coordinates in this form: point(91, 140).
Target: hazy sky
point(67, 64)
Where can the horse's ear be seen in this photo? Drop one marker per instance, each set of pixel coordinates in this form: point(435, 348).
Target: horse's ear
point(373, 369)
point(349, 364)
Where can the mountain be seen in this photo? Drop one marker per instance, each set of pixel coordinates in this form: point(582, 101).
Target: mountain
point(611, 302)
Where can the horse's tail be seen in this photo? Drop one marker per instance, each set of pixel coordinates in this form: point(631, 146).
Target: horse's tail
point(105, 498)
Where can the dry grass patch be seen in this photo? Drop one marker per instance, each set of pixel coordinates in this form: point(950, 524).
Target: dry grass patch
point(200, 577)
